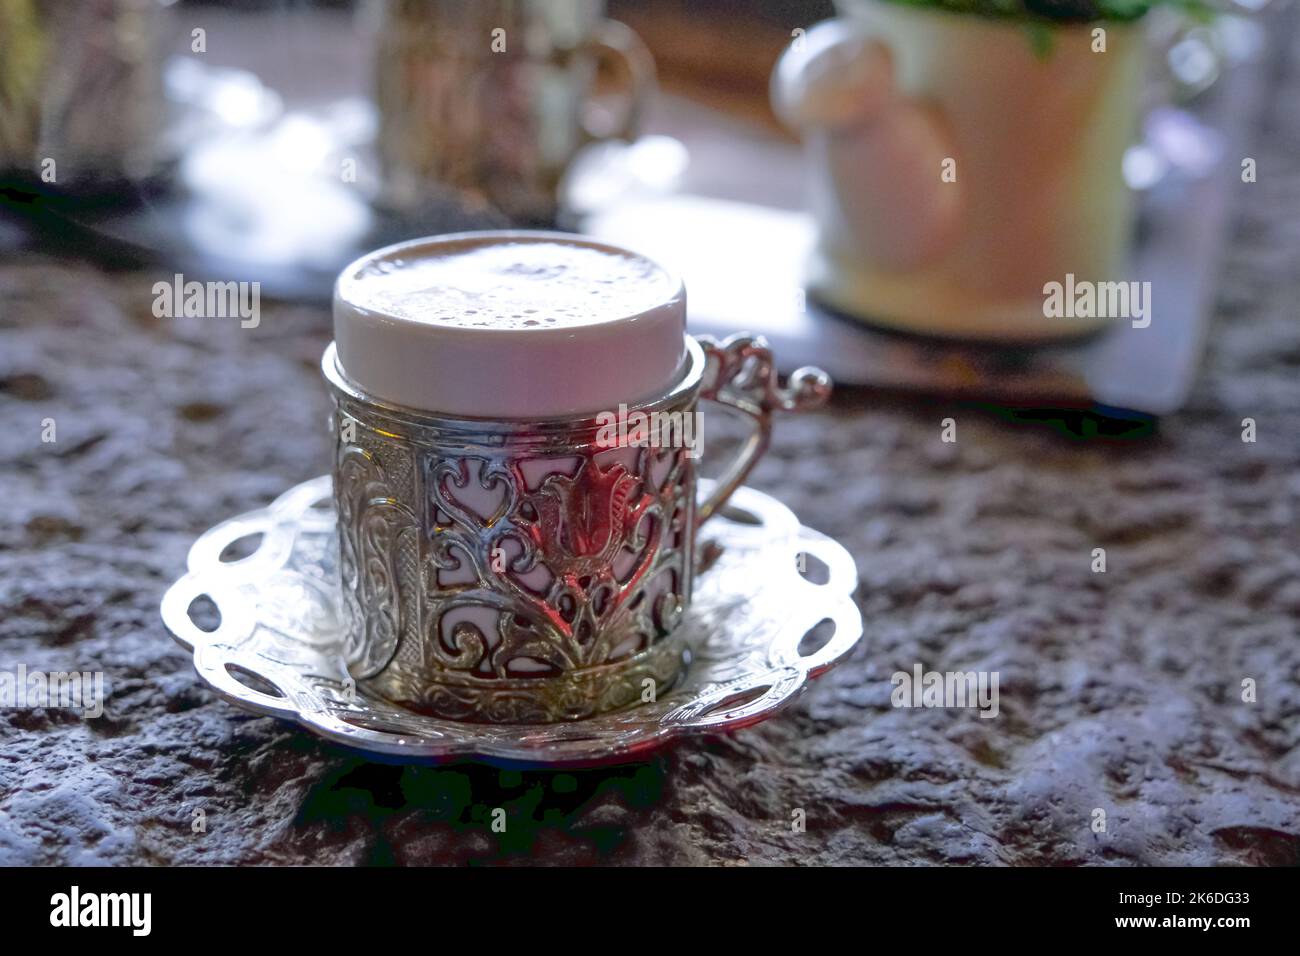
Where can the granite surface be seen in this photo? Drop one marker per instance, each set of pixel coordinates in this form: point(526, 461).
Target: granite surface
point(1119, 691)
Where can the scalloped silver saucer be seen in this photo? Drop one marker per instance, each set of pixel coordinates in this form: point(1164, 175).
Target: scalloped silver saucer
point(772, 609)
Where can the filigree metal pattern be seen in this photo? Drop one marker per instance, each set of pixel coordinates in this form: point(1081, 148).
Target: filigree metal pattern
point(493, 581)
point(280, 648)
point(740, 372)
point(525, 572)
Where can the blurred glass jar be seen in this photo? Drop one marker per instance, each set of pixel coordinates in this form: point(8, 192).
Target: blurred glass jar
point(81, 96)
point(494, 99)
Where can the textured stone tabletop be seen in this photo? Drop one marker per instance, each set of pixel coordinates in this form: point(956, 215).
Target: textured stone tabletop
point(1119, 691)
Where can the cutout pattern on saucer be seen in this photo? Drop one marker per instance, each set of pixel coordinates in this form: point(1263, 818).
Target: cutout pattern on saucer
point(773, 609)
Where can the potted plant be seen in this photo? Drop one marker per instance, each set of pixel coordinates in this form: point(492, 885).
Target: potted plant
point(964, 154)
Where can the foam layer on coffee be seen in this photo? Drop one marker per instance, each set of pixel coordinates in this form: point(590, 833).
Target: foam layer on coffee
point(510, 325)
point(512, 285)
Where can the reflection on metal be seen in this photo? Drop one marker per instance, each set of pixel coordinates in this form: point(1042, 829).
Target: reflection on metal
point(279, 648)
point(524, 572)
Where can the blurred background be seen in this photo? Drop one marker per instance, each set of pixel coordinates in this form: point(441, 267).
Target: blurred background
point(887, 195)
point(955, 158)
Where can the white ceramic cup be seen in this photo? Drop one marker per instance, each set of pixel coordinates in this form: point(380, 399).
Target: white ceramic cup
point(888, 97)
point(402, 334)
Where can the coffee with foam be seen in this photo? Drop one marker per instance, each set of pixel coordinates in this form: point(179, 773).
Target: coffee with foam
point(510, 325)
point(514, 285)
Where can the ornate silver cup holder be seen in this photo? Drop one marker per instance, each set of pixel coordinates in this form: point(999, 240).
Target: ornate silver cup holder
point(773, 609)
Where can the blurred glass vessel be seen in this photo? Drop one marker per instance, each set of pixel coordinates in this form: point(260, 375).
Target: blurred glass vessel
point(494, 99)
point(80, 91)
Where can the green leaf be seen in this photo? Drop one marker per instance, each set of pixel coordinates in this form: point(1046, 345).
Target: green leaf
point(1041, 39)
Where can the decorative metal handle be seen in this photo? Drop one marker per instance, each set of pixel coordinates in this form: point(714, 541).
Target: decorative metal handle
point(741, 374)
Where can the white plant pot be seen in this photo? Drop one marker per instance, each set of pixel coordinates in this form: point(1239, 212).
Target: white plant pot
point(888, 98)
